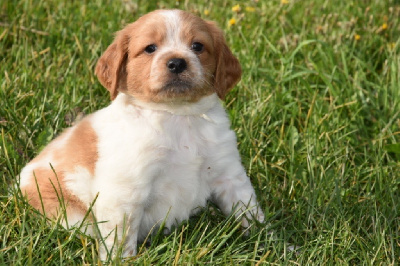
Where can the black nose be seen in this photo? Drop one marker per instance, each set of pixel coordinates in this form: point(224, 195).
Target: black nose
point(177, 65)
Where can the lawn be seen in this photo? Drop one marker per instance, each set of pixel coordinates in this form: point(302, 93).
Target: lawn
point(317, 115)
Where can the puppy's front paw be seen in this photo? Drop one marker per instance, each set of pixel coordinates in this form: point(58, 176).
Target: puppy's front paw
point(260, 216)
point(255, 214)
point(129, 251)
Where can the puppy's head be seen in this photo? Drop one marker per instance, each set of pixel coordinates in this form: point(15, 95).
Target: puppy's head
point(169, 56)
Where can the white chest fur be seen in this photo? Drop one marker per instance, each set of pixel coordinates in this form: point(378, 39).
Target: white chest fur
point(161, 162)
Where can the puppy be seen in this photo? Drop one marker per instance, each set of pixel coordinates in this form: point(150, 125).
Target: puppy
point(164, 145)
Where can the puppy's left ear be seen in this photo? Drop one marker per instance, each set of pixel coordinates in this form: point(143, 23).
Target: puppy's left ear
point(111, 67)
point(228, 71)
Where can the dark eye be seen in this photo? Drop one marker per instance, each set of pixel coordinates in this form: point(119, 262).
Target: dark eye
point(197, 47)
point(150, 48)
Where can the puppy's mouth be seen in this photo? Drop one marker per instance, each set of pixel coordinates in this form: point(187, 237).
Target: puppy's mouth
point(177, 86)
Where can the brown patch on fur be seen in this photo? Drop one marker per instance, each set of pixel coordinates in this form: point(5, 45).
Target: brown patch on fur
point(79, 149)
point(51, 192)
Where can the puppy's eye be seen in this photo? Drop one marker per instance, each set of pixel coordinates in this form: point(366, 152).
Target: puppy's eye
point(197, 47)
point(150, 48)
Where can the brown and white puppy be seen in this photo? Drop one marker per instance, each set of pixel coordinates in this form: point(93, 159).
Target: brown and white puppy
point(164, 145)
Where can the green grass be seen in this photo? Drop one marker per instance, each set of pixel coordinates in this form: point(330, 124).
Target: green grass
point(317, 115)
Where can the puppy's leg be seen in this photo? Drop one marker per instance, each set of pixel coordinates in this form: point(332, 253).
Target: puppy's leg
point(118, 227)
point(233, 190)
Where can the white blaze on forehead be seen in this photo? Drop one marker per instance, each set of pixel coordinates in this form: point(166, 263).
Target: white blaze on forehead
point(173, 23)
point(174, 45)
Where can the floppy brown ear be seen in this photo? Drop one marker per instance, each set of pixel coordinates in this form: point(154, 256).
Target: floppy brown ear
point(111, 67)
point(228, 71)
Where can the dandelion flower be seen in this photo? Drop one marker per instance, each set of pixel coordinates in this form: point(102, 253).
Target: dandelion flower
point(284, 2)
point(232, 22)
point(206, 12)
point(236, 8)
point(250, 9)
point(357, 37)
point(384, 26)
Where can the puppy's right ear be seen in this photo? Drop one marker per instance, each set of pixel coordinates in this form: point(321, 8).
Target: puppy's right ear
point(111, 67)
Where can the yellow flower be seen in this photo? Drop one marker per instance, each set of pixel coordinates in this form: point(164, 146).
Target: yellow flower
point(384, 26)
point(284, 2)
point(236, 8)
point(357, 37)
point(206, 12)
point(232, 22)
point(250, 9)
